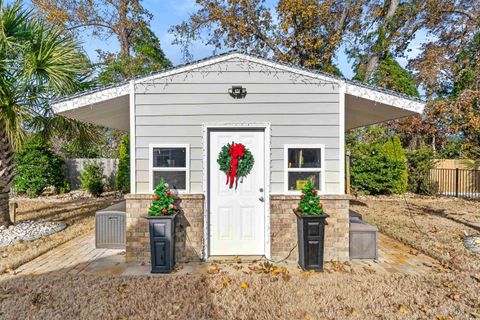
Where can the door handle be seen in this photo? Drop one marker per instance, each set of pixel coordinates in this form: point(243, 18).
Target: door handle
point(261, 199)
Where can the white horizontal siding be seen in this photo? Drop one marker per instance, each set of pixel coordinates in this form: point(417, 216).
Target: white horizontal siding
point(172, 110)
point(274, 119)
point(281, 108)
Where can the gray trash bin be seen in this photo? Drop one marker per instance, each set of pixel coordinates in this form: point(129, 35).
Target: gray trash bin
point(110, 227)
point(363, 240)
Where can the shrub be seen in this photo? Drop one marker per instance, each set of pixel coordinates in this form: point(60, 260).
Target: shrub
point(37, 168)
point(123, 174)
point(394, 150)
point(374, 171)
point(92, 179)
point(419, 164)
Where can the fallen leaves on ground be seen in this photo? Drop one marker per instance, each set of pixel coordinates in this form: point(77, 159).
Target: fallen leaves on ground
point(266, 267)
point(402, 309)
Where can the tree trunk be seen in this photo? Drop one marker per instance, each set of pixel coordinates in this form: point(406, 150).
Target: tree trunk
point(375, 57)
point(6, 174)
point(123, 30)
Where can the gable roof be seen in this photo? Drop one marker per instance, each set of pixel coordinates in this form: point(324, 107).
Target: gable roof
point(351, 87)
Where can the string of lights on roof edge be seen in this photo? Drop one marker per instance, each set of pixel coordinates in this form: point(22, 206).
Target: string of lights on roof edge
point(271, 60)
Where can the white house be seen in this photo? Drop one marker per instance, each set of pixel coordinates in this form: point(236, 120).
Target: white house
point(293, 121)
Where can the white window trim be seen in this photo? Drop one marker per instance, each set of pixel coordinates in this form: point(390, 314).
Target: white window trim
point(151, 169)
point(286, 169)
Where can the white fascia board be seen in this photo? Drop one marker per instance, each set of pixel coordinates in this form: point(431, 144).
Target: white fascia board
point(91, 98)
point(384, 98)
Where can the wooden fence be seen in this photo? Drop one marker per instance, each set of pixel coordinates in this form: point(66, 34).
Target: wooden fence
point(75, 168)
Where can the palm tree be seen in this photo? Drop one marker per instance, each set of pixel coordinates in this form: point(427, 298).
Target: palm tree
point(37, 62)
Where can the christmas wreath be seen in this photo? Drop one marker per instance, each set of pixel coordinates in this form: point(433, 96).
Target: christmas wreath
point(236, 161)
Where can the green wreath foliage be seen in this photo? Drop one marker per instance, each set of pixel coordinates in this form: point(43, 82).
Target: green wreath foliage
point(245, 164)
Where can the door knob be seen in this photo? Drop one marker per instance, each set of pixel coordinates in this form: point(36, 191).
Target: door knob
point(261, 190)
point(261, 199)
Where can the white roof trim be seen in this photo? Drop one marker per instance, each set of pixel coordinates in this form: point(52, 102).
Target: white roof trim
point(92, 98)
point(384, 98)
point(353, 89)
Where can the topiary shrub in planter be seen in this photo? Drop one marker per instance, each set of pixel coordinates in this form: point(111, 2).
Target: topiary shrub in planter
point(161, 225)
point(310, 229)
point(92, 179)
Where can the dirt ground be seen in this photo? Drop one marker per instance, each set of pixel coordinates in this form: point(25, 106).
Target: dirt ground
point(77, 211)
point(450, 293)
point(432, 225)
point(265, 296)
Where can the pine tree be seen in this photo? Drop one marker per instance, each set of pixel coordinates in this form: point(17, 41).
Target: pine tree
point(310, 203)
point(163, 201)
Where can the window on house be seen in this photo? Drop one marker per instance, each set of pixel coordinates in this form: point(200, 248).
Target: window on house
point(303, 163)
point(170, 162)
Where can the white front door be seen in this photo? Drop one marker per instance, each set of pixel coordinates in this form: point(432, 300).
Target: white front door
point(237, 216)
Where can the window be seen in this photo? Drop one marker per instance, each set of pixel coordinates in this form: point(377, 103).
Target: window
point(303, 163)
point(170, 162)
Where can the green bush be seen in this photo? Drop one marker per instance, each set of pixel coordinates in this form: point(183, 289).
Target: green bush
point(123, 174)
point(394, 150)
point(37, 168)
point(419, 164)
point(374, 171)
point(92, 179)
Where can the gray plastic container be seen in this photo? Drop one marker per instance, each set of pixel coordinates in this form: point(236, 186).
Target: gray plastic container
point(363, 240)
point(110, 227)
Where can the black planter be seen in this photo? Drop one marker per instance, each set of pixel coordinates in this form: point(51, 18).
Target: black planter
point(311, 235)
point(162, 243)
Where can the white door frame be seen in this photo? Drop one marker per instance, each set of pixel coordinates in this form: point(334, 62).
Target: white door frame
point(205, 147)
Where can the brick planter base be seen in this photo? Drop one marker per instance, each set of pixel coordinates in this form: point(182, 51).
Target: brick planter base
point(188, 230)
point(283, 227)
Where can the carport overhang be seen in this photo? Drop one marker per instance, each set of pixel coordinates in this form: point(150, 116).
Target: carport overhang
point(361, 104)
point(109, 107)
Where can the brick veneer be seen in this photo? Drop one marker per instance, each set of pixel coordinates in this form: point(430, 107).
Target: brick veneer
point(283, 226)
point(188, 231)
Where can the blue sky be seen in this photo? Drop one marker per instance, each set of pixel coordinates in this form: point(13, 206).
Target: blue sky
point(167, 13)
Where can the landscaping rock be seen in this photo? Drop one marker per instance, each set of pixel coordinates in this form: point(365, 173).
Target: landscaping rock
point(28, 230)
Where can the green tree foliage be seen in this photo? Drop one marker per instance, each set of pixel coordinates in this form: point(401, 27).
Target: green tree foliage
point(37, 62)
point(391, 75)
point(420, 162)
point(92, 178)
point(147, 56)
point(37, 168)
point(163, 202)
point(310, 202)
point(373, 171)
point(395, 152)
point(126, 20)
point(123, 174)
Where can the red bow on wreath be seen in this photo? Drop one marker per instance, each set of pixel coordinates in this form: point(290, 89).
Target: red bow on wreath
point(237, 151)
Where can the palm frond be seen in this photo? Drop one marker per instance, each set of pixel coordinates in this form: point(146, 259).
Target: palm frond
point(78, 133)
point(37, 62)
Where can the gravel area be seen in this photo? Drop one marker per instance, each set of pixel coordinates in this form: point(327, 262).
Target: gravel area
point(28, 230)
